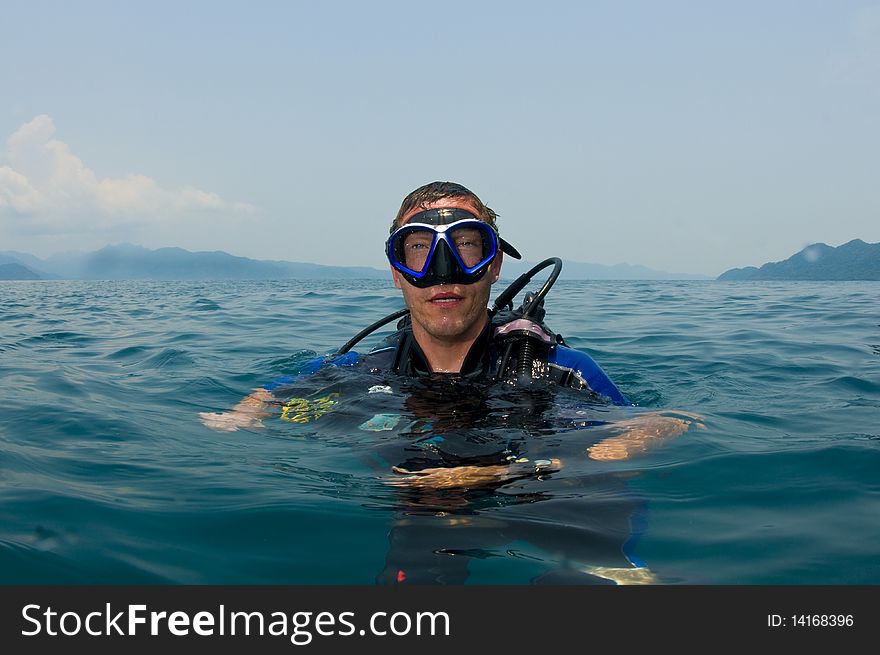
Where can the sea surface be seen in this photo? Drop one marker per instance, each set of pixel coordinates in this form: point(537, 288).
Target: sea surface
point(107, 474)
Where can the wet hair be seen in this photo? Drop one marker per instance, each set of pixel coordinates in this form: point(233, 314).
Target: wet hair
point(431, 193)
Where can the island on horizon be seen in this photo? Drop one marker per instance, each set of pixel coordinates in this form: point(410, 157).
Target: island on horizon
point(852, 261)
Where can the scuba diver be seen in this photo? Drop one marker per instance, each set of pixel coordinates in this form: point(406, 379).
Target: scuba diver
point(445, 254)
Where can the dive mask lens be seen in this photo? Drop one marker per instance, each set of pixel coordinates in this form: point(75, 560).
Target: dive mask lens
point(473, 244)
point(413, 245)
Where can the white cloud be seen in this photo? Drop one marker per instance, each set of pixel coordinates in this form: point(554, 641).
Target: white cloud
point(50, 188)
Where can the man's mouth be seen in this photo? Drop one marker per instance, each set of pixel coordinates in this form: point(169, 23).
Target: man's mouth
point(445, 298)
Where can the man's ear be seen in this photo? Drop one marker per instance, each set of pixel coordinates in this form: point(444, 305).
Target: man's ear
point(496, 266)
point(395, 276)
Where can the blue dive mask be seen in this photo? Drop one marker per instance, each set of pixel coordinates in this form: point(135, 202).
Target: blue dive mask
point(444, 246)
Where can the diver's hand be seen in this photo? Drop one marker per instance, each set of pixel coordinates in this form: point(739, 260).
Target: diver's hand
point(230, 421)
point(248, 413)
point(642, 433)
point(464, 477)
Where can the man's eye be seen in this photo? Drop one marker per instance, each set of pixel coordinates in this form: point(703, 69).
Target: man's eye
point(465, 238)
point(467, 242)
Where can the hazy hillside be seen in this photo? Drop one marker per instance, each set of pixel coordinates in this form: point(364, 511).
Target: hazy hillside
point(855, 260)
point(130, 262)
point(16, 271)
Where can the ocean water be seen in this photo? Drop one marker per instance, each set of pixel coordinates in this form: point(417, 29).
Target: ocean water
point(107, 474)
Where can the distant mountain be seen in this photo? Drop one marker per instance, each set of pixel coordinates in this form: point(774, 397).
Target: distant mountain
point(16, 271)
point(855, 260)
point(12, 257)
point(130, 262)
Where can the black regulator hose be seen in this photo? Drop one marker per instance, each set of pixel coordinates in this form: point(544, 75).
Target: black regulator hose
point(525, 360)
point(371, 328)
point(505, 299)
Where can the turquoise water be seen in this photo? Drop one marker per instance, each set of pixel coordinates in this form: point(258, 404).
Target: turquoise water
point(107, 475)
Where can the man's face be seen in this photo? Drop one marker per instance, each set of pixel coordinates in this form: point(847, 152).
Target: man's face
point(448, 312)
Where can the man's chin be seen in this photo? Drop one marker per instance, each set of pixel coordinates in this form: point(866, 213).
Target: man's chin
point(445, 330)
point(444, 325)
point(450, 327)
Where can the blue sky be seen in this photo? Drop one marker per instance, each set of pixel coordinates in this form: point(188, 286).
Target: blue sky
point(689, 137)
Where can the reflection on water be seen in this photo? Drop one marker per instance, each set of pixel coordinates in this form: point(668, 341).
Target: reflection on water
point(469, 469)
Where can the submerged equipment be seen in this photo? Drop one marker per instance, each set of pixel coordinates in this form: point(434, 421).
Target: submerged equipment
point(444, 246)
point(525, 323)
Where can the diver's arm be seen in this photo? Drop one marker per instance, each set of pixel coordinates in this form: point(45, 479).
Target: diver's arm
point(641, 433)
point(248, 413)
point(253, 408)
